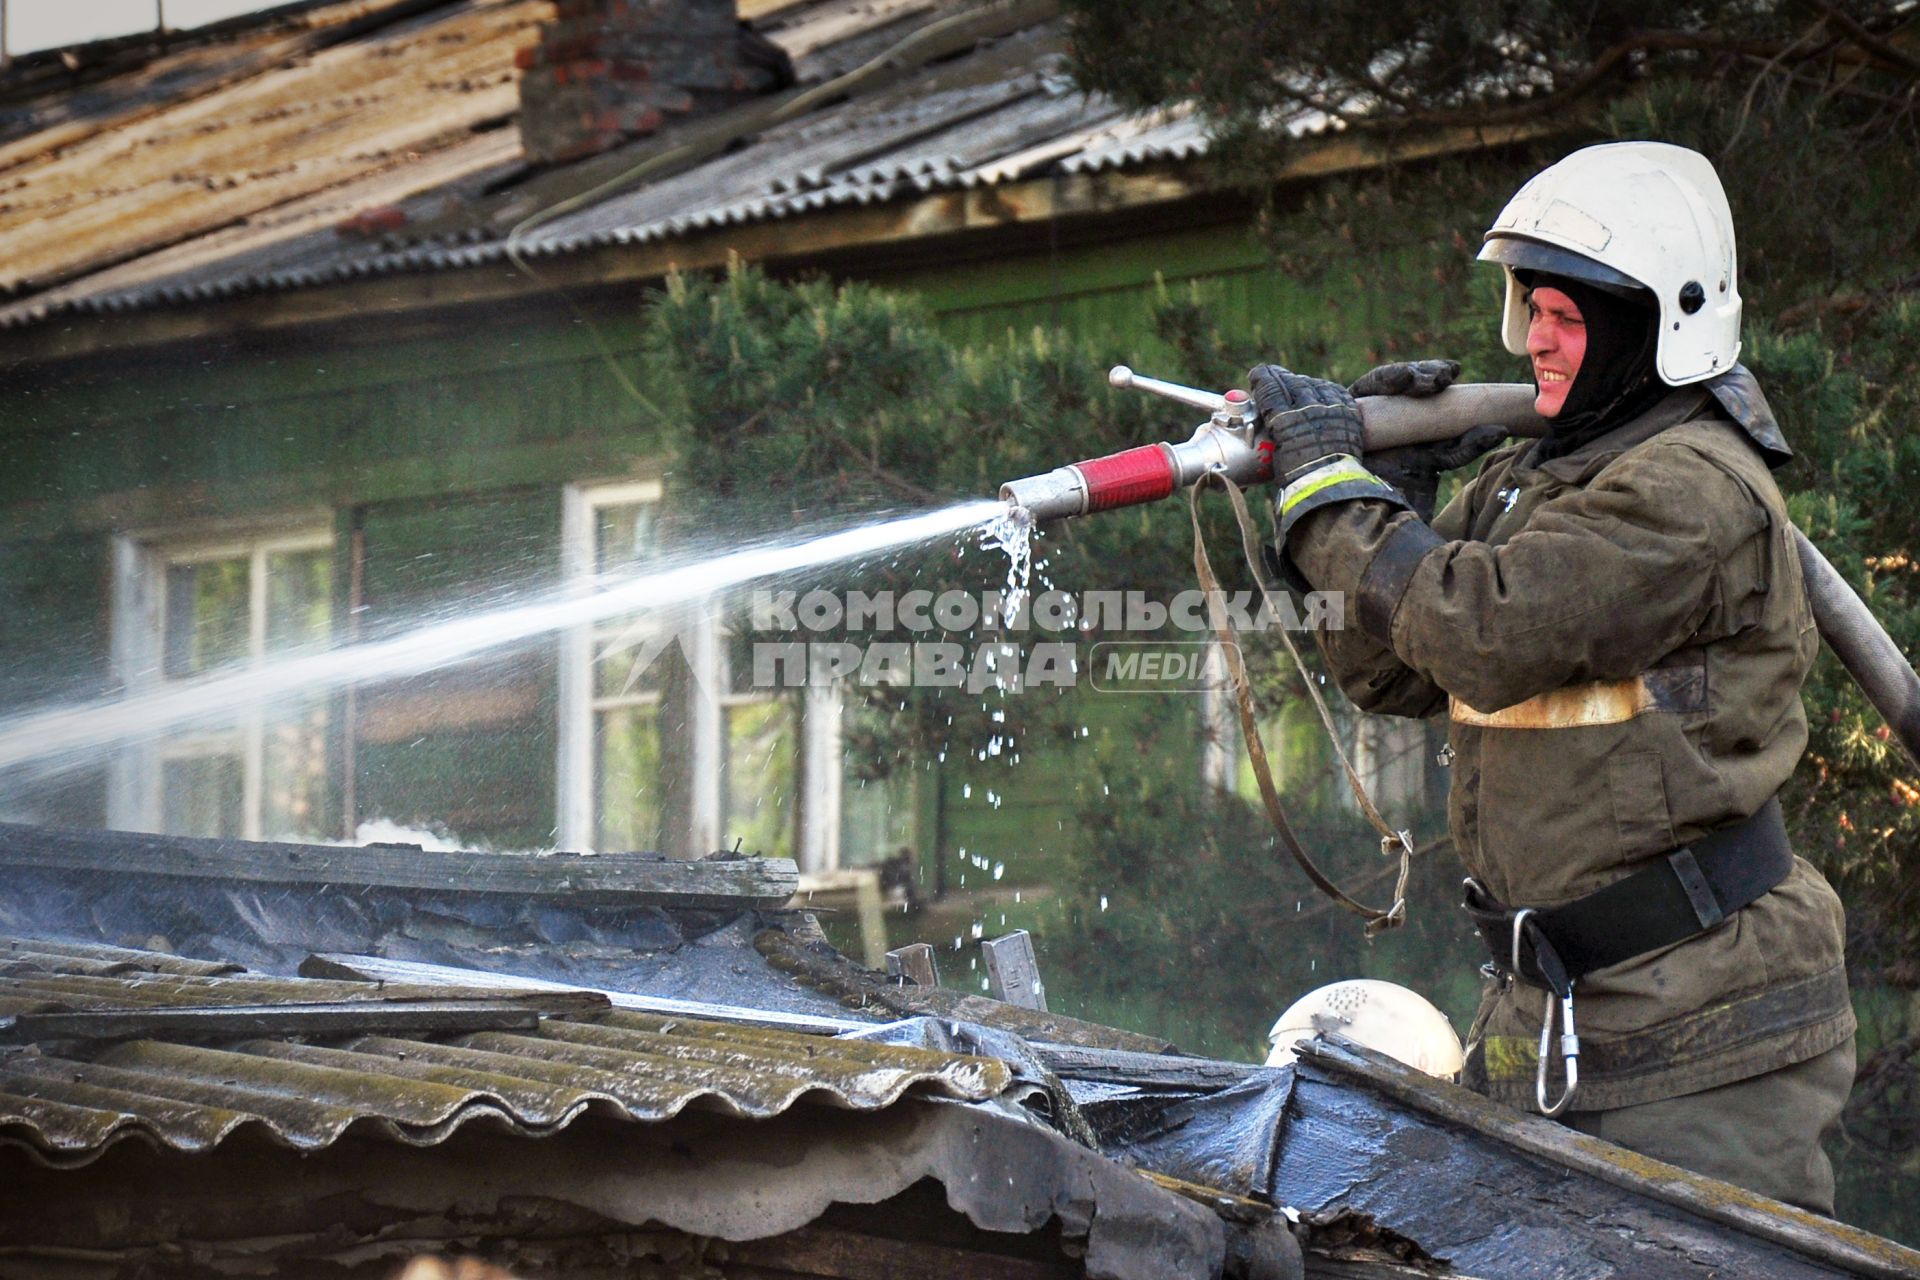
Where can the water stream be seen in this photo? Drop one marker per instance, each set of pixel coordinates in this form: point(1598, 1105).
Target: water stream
point(1011, 531)
point(62, 736)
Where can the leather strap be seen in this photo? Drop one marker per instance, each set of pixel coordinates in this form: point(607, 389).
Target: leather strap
point(1391, 841)
point(1677, 896)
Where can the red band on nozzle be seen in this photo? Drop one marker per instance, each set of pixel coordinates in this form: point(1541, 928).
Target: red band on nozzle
point(1128, 478)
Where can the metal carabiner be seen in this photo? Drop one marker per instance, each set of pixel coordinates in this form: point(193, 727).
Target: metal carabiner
point(1569, 1038)
point(1519, 923)
point(1569, 1054)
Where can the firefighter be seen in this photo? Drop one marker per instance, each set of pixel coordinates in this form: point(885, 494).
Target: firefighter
point(1612, 619)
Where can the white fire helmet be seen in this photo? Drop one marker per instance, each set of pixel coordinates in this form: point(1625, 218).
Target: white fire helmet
point(1626, 216)
point(1383, 1016)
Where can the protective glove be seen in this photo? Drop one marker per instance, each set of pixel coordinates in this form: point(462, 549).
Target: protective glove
point(1311, 421)
point(1415, 469)
point(1317, 437)
point(1417, 378)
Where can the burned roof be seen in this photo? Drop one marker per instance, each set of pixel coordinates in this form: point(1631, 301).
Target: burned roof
point(70, 1087)
point(531, 1122)
point(388, 144)
point(711, 933)
point(1022, 1116)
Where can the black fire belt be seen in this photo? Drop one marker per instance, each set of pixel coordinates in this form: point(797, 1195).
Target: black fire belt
point(1677, 896)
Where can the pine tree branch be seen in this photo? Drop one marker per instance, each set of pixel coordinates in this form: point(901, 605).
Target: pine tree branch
point(1604, 66)
point(1866, 40)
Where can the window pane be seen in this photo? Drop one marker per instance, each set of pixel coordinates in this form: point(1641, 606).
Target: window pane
point(202, 796)
point(757, 780)
point(624, 537)
point(294, 775)
point(624, 540)
point(876, 819)
point(736, 652)
point(616, 656)
point(627, 760)
point(207, 606)
point(299, 598)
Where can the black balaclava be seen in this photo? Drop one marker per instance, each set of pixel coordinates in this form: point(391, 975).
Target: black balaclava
point(1617, 380)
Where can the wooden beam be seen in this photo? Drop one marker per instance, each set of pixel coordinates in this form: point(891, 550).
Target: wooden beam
point(415, 973)
point(1808, 1234)
point(491, 1012)
point(628, 878)
point(1121, 1066)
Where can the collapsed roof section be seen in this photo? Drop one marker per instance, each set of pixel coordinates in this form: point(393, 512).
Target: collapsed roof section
point(692, 935)
point(100, 1047)
point(373, 1105)
point(180, 1061)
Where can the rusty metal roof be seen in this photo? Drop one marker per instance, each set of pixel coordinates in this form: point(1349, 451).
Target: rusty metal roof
point(254, 186)
point(67, 1100)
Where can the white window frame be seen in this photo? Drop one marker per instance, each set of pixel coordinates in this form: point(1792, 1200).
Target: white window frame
point(138, 627)
point(699, 830)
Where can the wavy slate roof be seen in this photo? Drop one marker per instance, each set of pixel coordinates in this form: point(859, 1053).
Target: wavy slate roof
point(246, 187)
point(67, 1100)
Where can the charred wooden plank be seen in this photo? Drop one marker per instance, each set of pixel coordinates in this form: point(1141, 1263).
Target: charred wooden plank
point(1120, 1066)
point(320, 1018)
point(380, 969)
point(915, 964)
point(627, 878)
point(1352, 1105)
point(1013, 972)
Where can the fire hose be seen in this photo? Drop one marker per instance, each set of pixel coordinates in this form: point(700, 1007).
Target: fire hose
point(1228, 445)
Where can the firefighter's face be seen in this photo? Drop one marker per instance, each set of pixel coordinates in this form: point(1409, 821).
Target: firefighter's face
point(1556, 343)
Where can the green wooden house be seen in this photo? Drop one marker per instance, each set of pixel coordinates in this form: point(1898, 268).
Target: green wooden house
point(290, 361)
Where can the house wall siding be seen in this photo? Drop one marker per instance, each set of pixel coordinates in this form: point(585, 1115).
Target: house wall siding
point(449, 449)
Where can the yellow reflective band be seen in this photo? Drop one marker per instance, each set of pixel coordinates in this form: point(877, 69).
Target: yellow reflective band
point(1572, 707)
point(1509, 1057)
point(1325, 478)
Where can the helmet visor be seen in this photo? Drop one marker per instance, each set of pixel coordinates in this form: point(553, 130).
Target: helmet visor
point(1531, 255)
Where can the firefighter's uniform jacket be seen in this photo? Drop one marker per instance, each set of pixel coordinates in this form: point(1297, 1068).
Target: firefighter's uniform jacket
point(1617, 638)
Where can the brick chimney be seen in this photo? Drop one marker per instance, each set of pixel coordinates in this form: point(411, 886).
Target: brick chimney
point(608, 71)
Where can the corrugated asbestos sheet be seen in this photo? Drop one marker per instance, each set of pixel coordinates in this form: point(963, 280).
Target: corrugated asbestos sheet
point(67, 1101)
point(256, 186)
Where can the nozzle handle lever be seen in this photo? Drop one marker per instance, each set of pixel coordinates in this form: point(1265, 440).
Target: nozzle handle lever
point(1127, 380)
